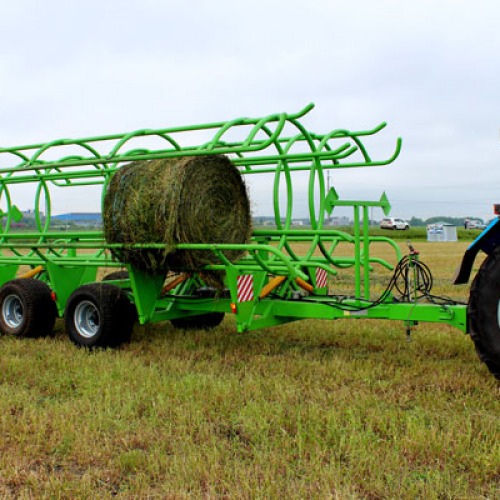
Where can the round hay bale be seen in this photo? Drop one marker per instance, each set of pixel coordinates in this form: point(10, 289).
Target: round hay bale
point(181, 200)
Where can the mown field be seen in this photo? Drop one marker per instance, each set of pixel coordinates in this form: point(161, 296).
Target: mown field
point(414, 233)
point(344, 409)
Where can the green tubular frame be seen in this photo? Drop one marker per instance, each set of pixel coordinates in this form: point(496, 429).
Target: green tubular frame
point(278, 144)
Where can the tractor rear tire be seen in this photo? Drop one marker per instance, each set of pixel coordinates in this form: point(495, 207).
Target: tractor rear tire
point(27, 308)
point(99, 315)
point(484, 312)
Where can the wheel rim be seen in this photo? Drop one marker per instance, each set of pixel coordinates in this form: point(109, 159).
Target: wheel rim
point(13, 311)
point(87, 319)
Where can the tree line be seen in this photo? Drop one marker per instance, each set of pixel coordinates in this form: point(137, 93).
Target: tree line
point(456, 221)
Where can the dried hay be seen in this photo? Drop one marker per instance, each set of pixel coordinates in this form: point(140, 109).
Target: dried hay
point(170, 201)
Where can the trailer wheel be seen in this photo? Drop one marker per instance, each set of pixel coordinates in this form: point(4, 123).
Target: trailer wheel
point(200, 322)
point(116, 275)
point(484, 312)
point(99, 315)
point(26, 308)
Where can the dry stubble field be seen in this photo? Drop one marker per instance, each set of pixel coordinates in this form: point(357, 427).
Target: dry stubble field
point(344, 409)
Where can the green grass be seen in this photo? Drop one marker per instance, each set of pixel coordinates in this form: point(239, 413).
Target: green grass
point(344, 409)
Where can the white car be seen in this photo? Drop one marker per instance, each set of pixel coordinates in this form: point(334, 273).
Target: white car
point(393, 223)
point(474, 224)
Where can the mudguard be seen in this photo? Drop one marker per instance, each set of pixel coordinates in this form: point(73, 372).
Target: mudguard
point(487, 241)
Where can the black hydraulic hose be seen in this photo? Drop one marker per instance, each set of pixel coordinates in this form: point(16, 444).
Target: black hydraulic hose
point(412, 280)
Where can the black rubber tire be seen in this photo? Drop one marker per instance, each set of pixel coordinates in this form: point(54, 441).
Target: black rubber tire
point(483, 312)
point(121, 275)
point(206, 321)
point(27, 308)
point(107, 312)
point(116, 275)
point(201, 322)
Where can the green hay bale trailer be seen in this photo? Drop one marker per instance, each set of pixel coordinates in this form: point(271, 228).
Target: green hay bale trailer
point(285, 273)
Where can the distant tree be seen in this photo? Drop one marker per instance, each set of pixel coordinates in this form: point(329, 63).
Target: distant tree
point(456, 221)
point(415, 222)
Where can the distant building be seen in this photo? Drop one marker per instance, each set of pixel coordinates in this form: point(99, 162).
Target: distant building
point(269, 223)
point(339, 221)
point(30, 214)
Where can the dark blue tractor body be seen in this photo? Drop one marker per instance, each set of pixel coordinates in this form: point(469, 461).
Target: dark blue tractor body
point(487, 241)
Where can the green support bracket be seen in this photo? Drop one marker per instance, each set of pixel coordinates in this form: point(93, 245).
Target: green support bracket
point(332, 200)
point(243, 305)
point(64, 280)
point(8, 272)
point(146, 289)
point(14, 213)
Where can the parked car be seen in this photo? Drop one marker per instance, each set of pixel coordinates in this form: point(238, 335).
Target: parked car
point(393, 223)
point(474, 224)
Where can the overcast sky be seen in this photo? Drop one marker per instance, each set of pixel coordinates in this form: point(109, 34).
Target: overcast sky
point(430, 69)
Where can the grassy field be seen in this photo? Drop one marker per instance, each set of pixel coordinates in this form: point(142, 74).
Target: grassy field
point(344, 410)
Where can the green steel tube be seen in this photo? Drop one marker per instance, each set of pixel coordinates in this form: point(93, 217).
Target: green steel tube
point(366, 253)
point(357, 253)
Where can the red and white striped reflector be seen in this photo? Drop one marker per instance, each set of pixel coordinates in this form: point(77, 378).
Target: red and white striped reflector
point(245, 287)
point(321, 277)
